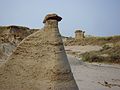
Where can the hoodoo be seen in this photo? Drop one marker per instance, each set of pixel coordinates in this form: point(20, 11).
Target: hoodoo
point(39, 62)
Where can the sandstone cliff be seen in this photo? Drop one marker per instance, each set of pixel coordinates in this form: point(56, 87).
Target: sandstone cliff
point(10, 37)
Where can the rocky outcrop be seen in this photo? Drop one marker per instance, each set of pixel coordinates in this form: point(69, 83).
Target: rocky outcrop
point(10, 37)
point(79, 35)
point(13, 34)
point(39, 62)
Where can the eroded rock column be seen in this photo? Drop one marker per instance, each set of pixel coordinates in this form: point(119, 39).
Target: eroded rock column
point(39, 62)
point(61, 72)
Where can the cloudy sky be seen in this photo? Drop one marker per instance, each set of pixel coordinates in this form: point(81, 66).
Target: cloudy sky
point(96, 17)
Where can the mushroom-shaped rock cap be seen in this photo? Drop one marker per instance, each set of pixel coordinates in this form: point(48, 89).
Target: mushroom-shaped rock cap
point(78, 31)
point(53, 17)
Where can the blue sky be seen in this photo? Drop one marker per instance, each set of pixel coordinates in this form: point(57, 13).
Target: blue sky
point(96, 17)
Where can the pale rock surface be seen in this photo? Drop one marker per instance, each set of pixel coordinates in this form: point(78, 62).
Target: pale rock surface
point(39, 62)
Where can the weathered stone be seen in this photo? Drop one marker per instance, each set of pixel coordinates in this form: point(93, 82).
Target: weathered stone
point(79, 34)
point(39, 63)
point(10, 37)
point(53, 17)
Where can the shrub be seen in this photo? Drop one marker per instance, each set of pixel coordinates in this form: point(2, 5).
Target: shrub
point(115, 58)
point(86, 56)
point(106, 47)
point(91, 57)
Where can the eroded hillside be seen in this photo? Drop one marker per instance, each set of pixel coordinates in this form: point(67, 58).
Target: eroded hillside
point(10, 37)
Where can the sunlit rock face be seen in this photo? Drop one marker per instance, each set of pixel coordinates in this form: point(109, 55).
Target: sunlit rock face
point(39, 62)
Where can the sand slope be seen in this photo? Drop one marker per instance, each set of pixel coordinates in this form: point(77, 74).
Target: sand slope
point(93, 76)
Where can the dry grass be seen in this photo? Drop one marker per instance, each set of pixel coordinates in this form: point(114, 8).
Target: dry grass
point(93, 41)
point(106, 55)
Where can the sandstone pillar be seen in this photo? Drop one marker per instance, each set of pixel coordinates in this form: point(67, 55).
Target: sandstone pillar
point(79, 35)
point(39, 62)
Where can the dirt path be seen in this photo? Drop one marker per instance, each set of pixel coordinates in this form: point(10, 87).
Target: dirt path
point(83, 49)
point(95, 76)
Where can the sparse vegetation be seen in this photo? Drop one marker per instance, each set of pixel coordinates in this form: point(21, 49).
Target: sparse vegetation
point(106, 47)
point(106, 55)
point(110, 52)
point(93, 41)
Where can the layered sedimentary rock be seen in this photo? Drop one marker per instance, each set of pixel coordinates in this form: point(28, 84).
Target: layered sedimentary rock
point(13, 34)
point(79, 35)
point(39, 62)
point(10, 37)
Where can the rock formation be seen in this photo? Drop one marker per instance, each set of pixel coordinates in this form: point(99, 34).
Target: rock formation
point(79, 34)
point(39, 62)
point(13, 34)
point(10, 37)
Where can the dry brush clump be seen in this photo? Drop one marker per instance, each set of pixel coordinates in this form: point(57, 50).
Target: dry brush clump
point(105, 55)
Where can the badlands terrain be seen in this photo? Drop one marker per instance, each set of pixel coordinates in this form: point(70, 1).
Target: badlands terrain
point(95, 62)
point(38, 62)
point(89, 74)
point(93, 76)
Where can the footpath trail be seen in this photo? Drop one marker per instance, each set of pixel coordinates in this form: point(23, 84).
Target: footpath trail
point(95, 76)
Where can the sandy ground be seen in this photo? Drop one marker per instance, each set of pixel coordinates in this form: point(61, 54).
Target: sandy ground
point(82, 49)
point(93, 76)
